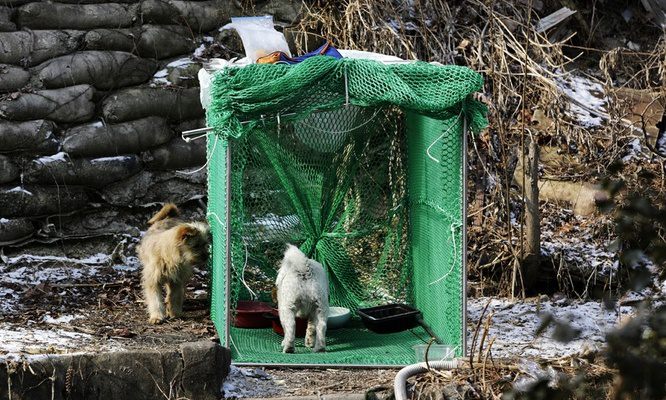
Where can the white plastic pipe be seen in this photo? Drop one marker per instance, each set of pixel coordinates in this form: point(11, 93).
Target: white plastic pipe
point(400, 381)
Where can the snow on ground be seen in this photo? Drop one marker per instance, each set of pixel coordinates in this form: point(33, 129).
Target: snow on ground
point(62, 156)
point(19, 340)
point(29, 270)
point(25, 341)
point(588, 100)
point(251, 383)
point(514, 325)
point(63, 319)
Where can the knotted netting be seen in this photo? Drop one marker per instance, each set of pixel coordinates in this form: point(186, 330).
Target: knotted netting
point(358, 163)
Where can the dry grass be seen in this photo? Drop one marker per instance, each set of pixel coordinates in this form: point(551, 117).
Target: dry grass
point(521, 67)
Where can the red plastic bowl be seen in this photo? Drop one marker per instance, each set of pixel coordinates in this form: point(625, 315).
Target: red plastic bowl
point(250, 314)
point(301, 325)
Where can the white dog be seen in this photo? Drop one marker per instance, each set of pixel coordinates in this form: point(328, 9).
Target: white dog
point(302, 291)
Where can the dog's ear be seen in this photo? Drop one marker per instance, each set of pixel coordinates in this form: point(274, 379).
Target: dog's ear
point(185, 231)
point(168, 211)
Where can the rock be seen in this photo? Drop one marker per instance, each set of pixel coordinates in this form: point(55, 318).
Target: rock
point(34, 137)
point(32, 201)
point(197, 359)
point(12, 78)
point(43, 15)
point(14, 230)
point(97, 172)
point(9, 171)
point(71, 104)
point(156, 187)
point(164, 41)
point(177, 154)
point(103, 69)
point(135, 103)
point(130, 137)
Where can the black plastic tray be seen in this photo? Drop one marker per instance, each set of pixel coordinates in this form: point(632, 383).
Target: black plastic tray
point(389, 318)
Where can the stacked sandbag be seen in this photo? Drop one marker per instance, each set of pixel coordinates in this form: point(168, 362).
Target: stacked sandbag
point(173, 104)
point(60, 169)
point(93, 97)
point(12, 78)
point(6, 24)
point(68, 105)
point(99, 139)
point(103, 69)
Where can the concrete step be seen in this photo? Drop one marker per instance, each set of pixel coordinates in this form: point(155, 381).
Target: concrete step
point(192, 370)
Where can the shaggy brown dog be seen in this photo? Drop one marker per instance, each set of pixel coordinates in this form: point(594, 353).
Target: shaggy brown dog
point(168, 251)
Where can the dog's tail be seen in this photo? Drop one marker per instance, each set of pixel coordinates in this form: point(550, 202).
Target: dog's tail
point(168, 211)
point(296, 259)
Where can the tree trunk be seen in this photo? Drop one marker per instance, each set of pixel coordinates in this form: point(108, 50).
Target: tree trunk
point(532, 216)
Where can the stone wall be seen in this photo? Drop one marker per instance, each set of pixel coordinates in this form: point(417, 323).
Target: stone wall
point(93, 97)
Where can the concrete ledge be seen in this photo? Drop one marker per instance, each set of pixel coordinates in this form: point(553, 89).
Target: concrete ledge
point(194, 370)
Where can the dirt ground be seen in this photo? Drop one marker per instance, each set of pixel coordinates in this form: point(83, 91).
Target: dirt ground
point(92, 304)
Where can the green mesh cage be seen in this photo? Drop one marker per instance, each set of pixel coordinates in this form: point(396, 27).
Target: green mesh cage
point(358, 163)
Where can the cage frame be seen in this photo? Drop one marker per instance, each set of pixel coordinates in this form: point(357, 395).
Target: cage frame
point(464, 204)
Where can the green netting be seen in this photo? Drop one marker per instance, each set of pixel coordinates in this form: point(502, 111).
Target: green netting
point(358, 163)
point(364, 349)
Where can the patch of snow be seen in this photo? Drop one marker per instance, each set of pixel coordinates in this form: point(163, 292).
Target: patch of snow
point(514, 324)
point(198, 52)
point(208, 39)
point(160, 78)
point(627, 14)
point(634, 150)
point(32, 276)
point(28, 270)
point(96, 259)
point(109, 159)
point(16, 340)
point(3, 220)
point(661, 143)
point(20, 189)
point(251, 383)
point(63, 319)
point(633, 46)
point(62, 156)
point(589, 101)
point(180, 63)
point(407, 26)
point(132, 263)
point(569, 238)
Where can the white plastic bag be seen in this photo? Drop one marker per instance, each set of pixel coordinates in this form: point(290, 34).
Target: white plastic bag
point(259, 36)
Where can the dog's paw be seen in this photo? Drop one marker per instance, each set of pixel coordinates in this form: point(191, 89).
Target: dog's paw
point(288, 349)
point(309, 342)
point(155, 320)
point(321, 349)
